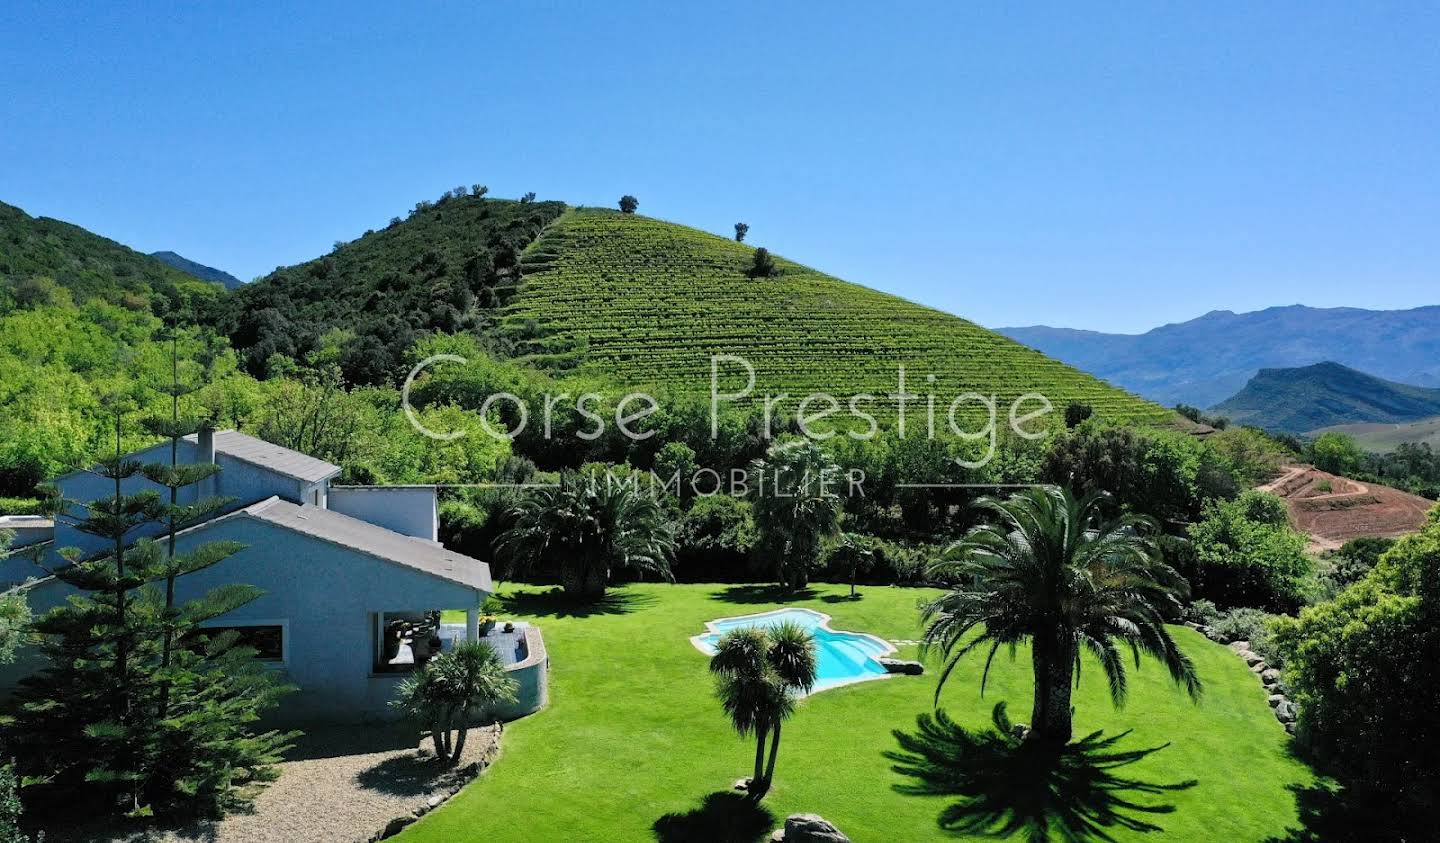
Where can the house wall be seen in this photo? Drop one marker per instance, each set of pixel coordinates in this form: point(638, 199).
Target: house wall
point(411, 510)
point(327, 597)
point(28, 529)
point(240, 481)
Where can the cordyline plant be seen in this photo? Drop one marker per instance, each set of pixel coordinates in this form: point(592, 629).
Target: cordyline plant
point(451, 690)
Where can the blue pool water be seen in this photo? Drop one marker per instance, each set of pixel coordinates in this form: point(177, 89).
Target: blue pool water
point(841, 657)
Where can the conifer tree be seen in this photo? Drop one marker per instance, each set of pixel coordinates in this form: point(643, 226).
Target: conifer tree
point(140, 708)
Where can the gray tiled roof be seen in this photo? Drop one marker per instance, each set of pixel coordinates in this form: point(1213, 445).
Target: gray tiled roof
point(362, 536)
point(233, 443)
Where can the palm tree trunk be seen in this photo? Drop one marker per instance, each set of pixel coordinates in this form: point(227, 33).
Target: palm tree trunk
point(756, 779)
point(436, 735)
point(774, 750)
point(572, 577)
point(1053, 662)
point(462, 729)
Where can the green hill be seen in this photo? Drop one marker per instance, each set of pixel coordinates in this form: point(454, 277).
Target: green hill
point(652, 301)
point(444, 268)
point(38, 254)
point(1325, 395)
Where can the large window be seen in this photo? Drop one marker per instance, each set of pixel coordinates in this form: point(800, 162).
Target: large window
point(268, 638)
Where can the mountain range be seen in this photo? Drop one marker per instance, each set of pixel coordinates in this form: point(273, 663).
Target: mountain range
point(199, 270)
point(1206, 360)
point(1302, 400)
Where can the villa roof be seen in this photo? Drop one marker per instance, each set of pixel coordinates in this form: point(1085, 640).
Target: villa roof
point(362, 536)
point(233, 443)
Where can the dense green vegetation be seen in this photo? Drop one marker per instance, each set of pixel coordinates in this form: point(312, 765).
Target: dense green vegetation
point(40, 256)
point(1363, 666)
point(1323, 395)
point(650, 302)
point(634, 747)
point(444, 269)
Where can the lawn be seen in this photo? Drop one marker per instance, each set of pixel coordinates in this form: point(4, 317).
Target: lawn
point(634, 746)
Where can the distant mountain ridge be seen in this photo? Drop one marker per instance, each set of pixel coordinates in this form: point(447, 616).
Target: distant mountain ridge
point(199, 270)
point(40, 251)
point(1304, 399)
point(1206, 360)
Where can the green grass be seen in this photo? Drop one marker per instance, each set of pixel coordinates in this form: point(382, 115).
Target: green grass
point(651, 301)
point(634, 733)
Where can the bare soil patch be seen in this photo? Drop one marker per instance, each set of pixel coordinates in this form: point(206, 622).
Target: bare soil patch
point(1332, 510)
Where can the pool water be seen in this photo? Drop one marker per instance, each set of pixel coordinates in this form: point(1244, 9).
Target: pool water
point(840, 657)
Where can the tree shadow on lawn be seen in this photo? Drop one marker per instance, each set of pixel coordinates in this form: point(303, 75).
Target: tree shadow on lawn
point(1331, 812)
point(555, 603)
point(1008, 786)
point(761, 594)
point(723, 817)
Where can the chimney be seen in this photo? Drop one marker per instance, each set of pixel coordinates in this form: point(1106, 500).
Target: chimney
point(205, 445)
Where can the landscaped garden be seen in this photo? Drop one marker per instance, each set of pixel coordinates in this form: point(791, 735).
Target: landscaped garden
point(635, 746)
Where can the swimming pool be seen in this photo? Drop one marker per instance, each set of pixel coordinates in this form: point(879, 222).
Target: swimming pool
point(840, 657)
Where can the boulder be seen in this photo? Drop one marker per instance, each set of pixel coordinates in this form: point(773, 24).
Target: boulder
point(1251, 657)
point(901, 666)
point(1285, 712)
point(1019, 731)
point(1259, 667)
point(811, 828)
point(1240, 646)
point(1275, 699)
point(1290, 728)
point(1270, 676)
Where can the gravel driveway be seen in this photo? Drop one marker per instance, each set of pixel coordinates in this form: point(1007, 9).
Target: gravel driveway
point(342, 785)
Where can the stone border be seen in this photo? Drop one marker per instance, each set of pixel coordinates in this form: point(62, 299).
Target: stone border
point(1285, 709)
point(890, 649)
point(466, 775)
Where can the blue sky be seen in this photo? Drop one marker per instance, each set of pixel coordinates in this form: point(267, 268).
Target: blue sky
point(1113, 168)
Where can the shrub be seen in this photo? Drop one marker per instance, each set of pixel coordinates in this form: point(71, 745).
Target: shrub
point(1245, 554)
point(628, 204)
point(1203, 612)
point(741, 229)
point(714, 540)
point(1077, 412)
point(1252, 625)
point(1336, 453)
point(1358, 557)
point(1362, 667)
point(764, 264)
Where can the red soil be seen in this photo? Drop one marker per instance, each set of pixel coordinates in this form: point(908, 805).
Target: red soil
point(1348, 510)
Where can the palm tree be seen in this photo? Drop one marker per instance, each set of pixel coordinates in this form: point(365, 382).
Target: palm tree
point(449, 689)
point(1051, 570)
point(760, 674)
point(589, 524)
point(797, 508)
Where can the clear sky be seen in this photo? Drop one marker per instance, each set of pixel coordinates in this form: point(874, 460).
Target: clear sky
point(1114, 168)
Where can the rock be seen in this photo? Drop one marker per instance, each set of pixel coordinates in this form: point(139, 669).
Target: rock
point(741, 784)
point(1285, 712)
point(1290, 728)
point(1251, 657)
point(1240, 646)
point(1193, 625)
point(811, 828)
point(1270, 676)
point(434, 801)
point(901, 666)
point(1020, 731)
point(1213, 634)
point(778, 836)
point(395, 826)
point(1259, 667)
point(1275, 699)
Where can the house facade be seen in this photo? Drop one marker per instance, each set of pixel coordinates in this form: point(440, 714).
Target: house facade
point(353, 578)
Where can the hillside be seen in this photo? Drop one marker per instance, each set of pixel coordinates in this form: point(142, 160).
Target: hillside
point(652, 301)
point(33, 249)
point(199, 270)
point(1204, 361)
point(1385, 437)
point(1326, 394)
point(444, 268)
